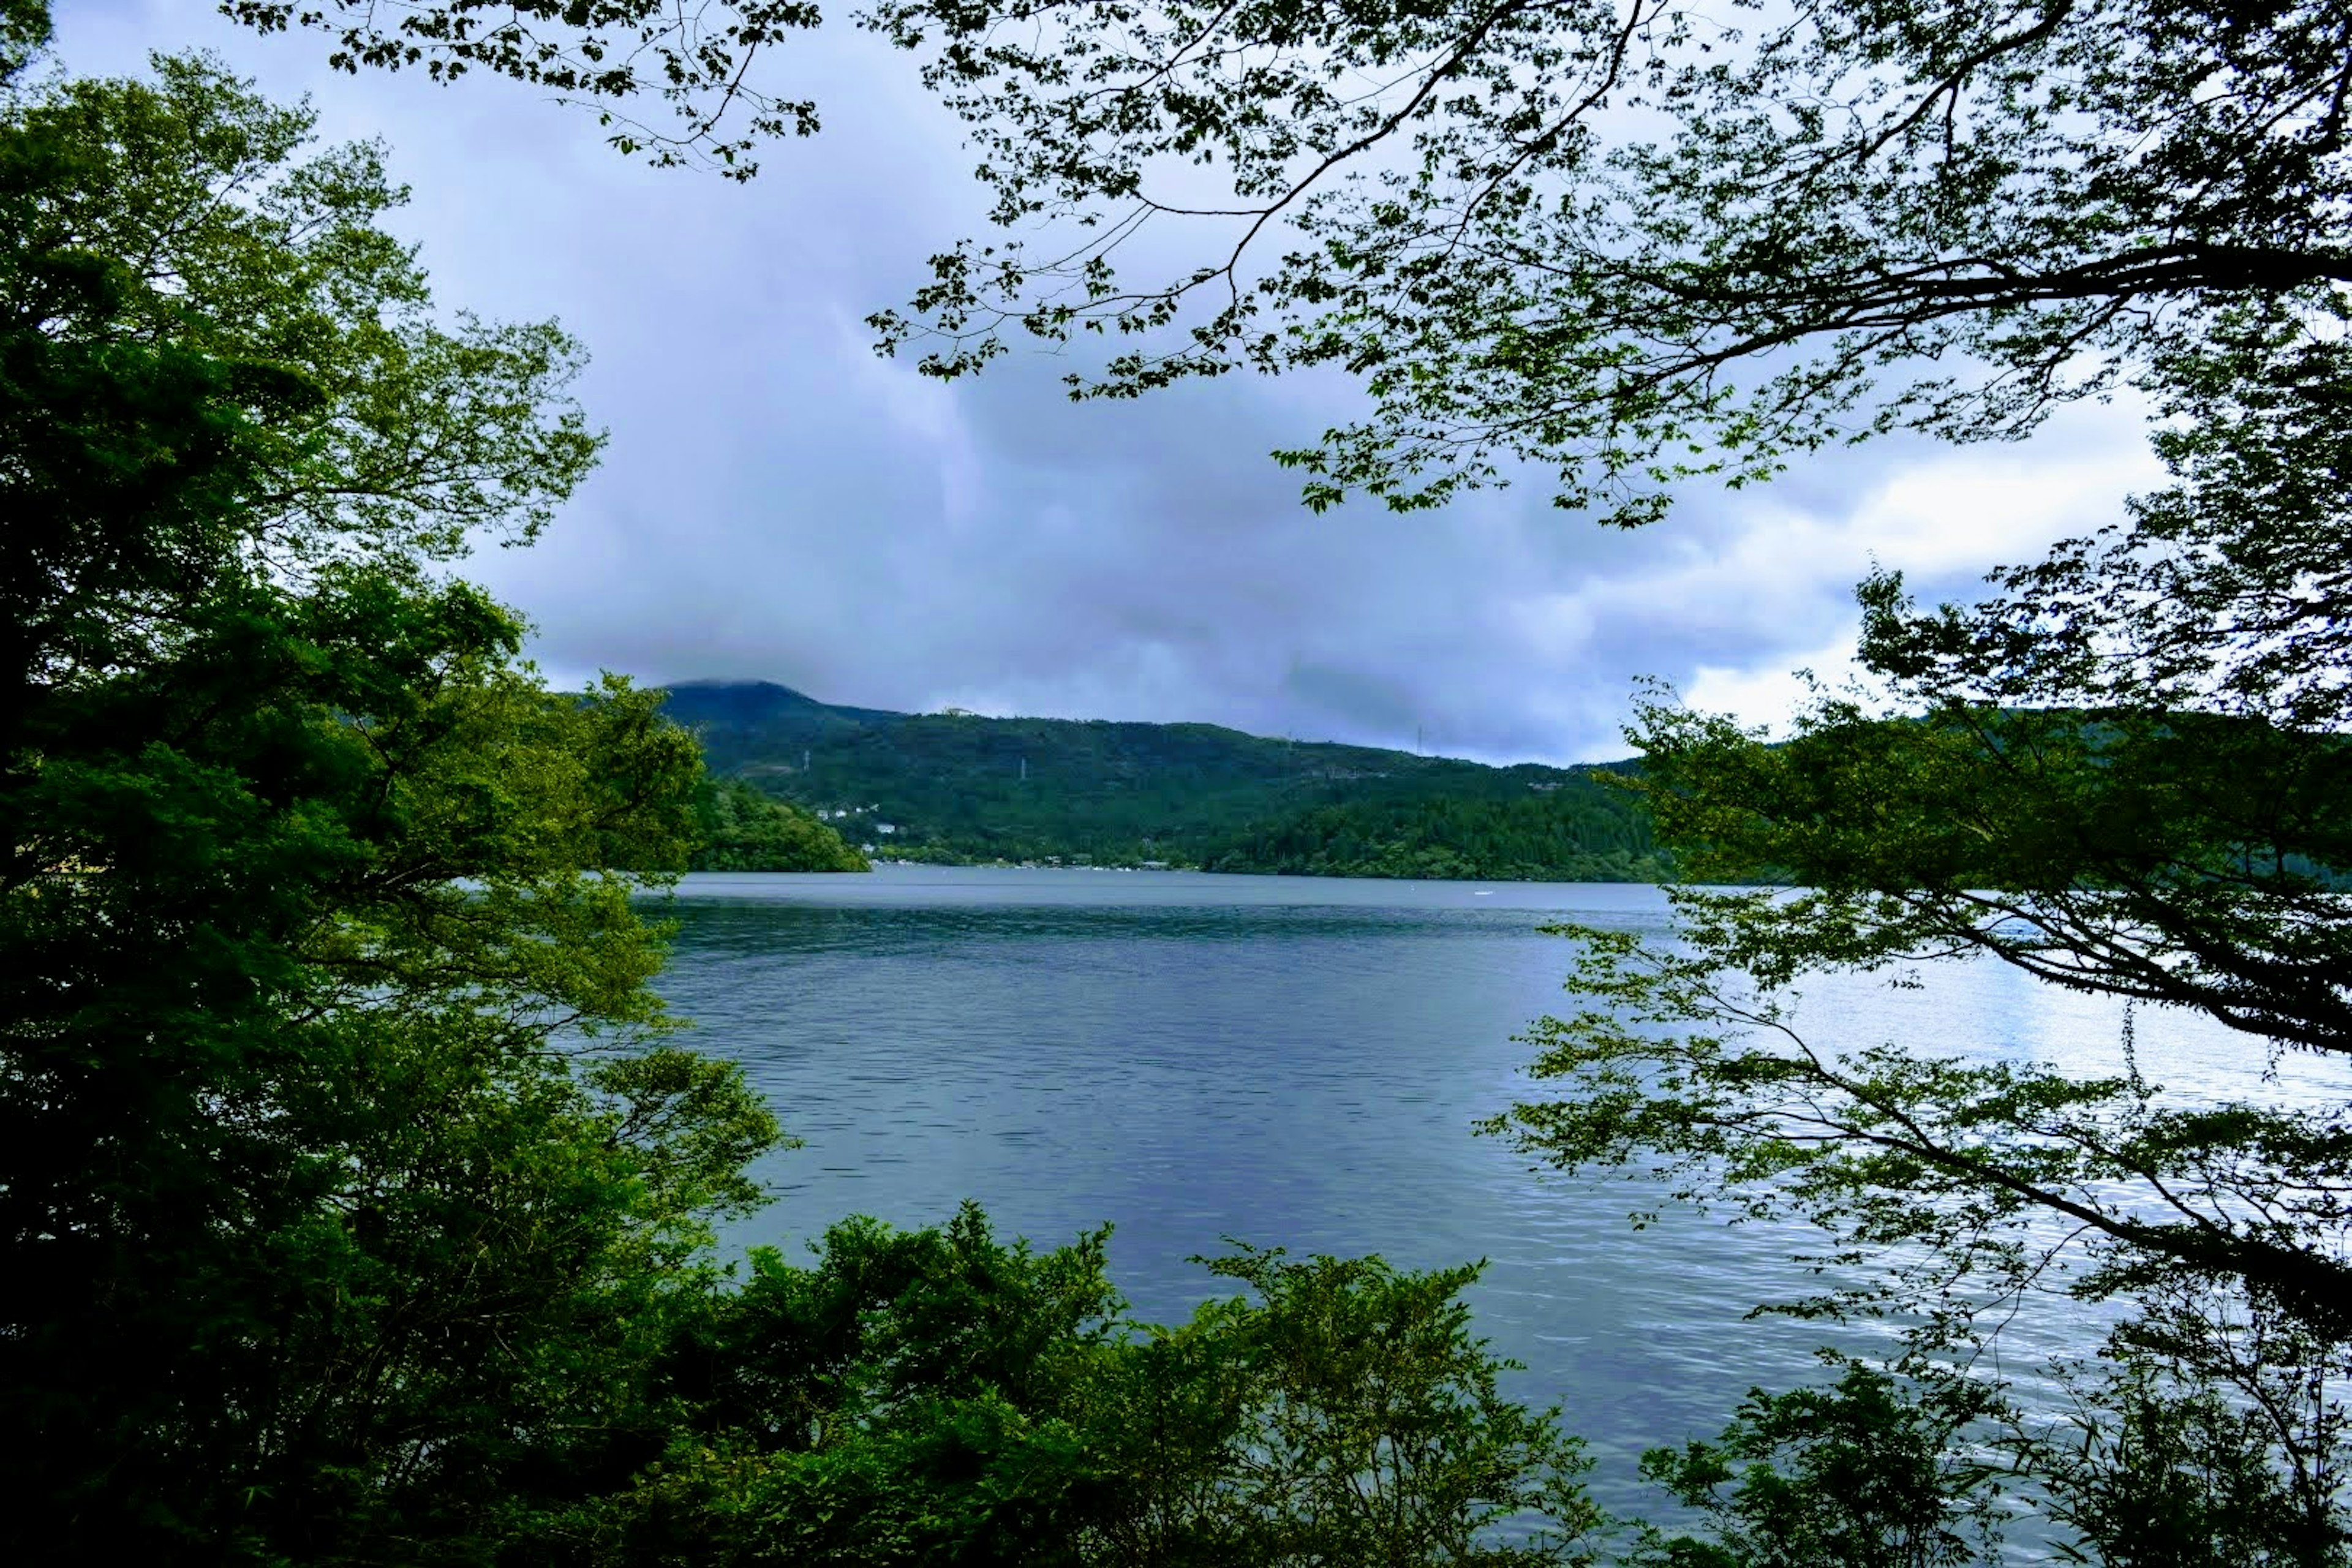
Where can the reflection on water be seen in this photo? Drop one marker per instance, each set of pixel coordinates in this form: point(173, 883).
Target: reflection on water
point(1292, 1061)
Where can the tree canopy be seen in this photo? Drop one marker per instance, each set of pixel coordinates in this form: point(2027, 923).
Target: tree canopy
point(700, 62)
point(741, 829)
point(310, 1219)
point(1636, 241)
point(1644, 242)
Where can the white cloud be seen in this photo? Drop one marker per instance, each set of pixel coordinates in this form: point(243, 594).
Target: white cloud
point(1768, 698)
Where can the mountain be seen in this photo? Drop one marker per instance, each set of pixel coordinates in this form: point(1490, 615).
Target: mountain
point(957, 786)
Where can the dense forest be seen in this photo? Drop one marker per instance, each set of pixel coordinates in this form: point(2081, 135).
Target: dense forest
point(1585, 836)
point(958, 787)
point(739, 828)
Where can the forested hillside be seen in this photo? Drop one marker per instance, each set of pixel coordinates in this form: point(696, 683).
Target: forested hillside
point(955, 787)
point(740, 828)
point(1581, 833)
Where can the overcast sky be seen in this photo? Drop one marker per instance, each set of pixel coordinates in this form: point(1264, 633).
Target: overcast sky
point(778, 503)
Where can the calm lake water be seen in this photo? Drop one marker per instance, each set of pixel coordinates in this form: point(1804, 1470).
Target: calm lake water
point(1293, 1061)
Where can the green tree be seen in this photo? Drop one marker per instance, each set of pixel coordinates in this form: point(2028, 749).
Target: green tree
point(1854, 215)
point(1577, 831)
point(2124, 772)
point(1372, 1430)
point(621, 59)
point(2163, 1464)
point(940, 1396)
point(1867, 1473)
point(739, 828)
point(344, 1174)
point(1642, 242)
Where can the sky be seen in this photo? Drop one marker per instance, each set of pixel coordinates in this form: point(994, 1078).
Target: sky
point(778, 503)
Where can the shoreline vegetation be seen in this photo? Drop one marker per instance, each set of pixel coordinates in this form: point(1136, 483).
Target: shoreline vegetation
point(1416, 873)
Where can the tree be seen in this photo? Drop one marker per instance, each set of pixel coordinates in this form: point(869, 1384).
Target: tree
point(2125, 774)
point(1852, 216)
point(1856, 216)
point(699, 60)
point(345, 1171)
point(942, 1396)
point(1863, 1474)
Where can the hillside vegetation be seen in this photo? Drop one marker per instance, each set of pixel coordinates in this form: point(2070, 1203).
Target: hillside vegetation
point(740, 828)
point(1544, 839)
point(954, 786)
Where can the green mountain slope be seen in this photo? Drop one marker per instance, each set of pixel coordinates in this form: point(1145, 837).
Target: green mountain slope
point(958, 786)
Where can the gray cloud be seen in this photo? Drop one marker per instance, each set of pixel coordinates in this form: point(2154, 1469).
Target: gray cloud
point(778, 503)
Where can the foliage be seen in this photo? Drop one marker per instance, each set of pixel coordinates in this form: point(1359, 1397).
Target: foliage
point(344, 1170)
point(2124, 774)
point(1372, 1428)
point(958, 786)
point(1550, 838)
point(2123, 771)
point(940, 1396)
point(739, 828)
point(1953, 1192)
point(357, 422)
point(1638, 241)
point(1867, 1473)
point(611, 56)
point(2164, 1463)
point(1645, 241)
point(2182, 1449)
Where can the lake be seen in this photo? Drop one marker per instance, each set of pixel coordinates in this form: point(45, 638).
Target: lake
point(1295, 1061)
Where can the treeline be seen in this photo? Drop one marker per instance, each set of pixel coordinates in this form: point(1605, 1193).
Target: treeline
point(1583, 834)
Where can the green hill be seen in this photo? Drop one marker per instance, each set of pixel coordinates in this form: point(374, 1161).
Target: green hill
point(955, 787)
point(743, 829)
